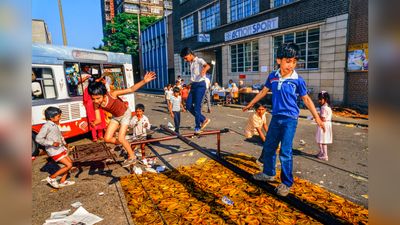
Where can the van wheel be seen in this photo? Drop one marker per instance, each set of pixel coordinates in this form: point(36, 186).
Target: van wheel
point(35, 146)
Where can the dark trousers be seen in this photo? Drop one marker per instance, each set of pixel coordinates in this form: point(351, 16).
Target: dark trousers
point(194, 100)
point(177, 120)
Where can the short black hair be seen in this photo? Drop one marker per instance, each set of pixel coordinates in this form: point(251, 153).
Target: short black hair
point(186, 51)
point(258, 105)
point(139, 106)
point(288, 50)
point(51, 112)
point(97, 88)
point(176, 89)
point(325, 95)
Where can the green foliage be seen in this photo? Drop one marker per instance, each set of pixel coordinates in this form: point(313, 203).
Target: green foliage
point(123, 33)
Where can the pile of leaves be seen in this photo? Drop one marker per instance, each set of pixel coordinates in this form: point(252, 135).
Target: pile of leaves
point(193, 195)
point(350, 113)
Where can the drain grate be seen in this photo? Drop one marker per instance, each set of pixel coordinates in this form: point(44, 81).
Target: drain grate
point(93, 152)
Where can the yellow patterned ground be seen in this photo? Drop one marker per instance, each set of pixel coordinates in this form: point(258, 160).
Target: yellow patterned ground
point(192, 195)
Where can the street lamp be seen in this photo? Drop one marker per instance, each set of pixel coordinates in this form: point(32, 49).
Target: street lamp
point(64, 35)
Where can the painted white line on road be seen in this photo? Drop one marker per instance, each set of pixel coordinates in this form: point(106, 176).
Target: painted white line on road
point(240, 117)
point(358, 177)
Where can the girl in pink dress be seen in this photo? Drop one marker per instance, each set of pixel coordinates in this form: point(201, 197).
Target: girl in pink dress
point(324, 138)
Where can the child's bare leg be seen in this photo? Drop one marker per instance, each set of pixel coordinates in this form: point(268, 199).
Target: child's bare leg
point(63, 171)
point(124, 142)
point(109, 136)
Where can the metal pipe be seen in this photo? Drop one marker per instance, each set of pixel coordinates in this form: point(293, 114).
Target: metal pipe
point(318, 214)
point(219, 144)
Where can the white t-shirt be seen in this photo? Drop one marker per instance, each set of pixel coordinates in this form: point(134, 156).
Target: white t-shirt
point(140, 126)
point(168, 94)
point(196, 66)
point(36, 89)
point(176, 103)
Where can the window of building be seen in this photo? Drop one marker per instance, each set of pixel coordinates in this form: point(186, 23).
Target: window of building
point(210, 17)
point(185, 68)
point(240, 9)
point(155, 1)
point(187, 27)
point(308, 42)
point(244, 57)
point(43, 86)
point(281, 2)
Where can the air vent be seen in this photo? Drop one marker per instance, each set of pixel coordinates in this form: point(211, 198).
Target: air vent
point(75, 111)
point(65, 112)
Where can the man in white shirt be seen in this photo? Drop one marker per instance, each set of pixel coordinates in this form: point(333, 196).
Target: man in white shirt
point(207, 95)
point(198, 70)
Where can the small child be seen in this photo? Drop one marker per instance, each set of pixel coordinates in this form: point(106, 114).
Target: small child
point(121, 114)
point(185, 94)
point(324, 138)
point(140, 123)
point(257, 121)
point(175, 108)
point(51, 138)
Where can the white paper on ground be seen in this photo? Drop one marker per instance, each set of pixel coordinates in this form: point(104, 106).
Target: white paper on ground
point(76, 204)
point(83, 216)
point(60, 214)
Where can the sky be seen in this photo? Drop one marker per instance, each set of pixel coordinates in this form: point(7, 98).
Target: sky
point(82, 19)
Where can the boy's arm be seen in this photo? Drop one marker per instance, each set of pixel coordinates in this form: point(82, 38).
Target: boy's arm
point(98, 118)
point(257, 98)
point(310, 105)
point(206, 67)
point(149, 76)
point(41, 137)
point(170, 108)
point(260, 133)
point(265, 127)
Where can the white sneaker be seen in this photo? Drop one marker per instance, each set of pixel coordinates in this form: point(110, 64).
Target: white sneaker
point(52, 182)
point(67, 183)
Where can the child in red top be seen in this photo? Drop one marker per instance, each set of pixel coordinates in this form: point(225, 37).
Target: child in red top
point(184, 94)
point(121, 114)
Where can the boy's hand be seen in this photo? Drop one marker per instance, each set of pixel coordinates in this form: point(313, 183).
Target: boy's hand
point(247, 107)
point(149, 76)
point(183, 110)
point(146, 125)
point(56, 144)
point(172, 115)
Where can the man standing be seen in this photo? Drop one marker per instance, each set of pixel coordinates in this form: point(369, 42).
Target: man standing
point(198, 70)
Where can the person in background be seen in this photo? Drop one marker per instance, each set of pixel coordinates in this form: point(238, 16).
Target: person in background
point(207, 95)
point(230, 84)
point(322, 137)
point(285, 85)
point(51, 138)
point(140, 124)
point(185, 94)
point(175, 108)
point(198, 70)
point(36, 88)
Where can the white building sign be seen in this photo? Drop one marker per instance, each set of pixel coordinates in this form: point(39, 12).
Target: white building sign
point(255, 28)
point(203, 38)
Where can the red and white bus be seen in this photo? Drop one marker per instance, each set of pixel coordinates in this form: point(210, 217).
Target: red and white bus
point(55, 74)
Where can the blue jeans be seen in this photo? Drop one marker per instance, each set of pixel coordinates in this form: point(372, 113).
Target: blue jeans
point(281, 129)
point(177, 120)
point(194, 100)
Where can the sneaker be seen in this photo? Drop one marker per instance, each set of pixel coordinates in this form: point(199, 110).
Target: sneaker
point(282, 190)
point(197, 131)
point(52, 182)
point(263, 177)
point(128, 162)
point(67, 183)
point(205, 123)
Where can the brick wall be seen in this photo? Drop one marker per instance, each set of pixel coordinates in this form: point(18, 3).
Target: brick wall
point(357, 82)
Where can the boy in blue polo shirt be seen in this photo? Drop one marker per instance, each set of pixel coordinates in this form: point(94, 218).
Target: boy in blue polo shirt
point(285, 84)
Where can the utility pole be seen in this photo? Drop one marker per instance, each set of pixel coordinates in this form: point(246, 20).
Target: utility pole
point(64, 35)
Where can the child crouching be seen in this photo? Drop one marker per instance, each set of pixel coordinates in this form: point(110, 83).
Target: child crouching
point(51, 138)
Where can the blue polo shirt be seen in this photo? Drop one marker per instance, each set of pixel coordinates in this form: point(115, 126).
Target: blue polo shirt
point(285, 92)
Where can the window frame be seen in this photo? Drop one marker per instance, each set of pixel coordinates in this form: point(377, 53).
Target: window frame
point(217, 17)
point(243, 12)
point(306, 43)
point(244, 64)
point(42, 83)
point(184, 72)
point(284, 2)
point(183, 28)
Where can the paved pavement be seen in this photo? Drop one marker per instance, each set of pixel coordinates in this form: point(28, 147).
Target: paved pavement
point(345, 173)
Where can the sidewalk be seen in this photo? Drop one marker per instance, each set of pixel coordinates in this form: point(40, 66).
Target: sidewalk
point(304, 113)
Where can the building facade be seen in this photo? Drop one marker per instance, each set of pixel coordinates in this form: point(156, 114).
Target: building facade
point(157, 52)
point(40, 32)
point(107, 12)
point(242, 37)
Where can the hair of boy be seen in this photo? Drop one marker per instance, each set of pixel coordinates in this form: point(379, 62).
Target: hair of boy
point(325, 95)
point(139, 106)
point(258, 105)
point(51, 112)
point(288, 50)
point(186, 51)
point(176, 90)
point(97, 88)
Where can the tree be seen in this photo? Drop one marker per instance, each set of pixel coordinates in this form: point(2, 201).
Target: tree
point(122, 33)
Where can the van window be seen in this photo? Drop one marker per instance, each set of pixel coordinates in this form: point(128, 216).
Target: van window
point(114, 75)
point(73, 77)
point(43, 86)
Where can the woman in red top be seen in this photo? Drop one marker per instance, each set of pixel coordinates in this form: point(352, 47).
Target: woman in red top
point(184, 94)
point(121, 114)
